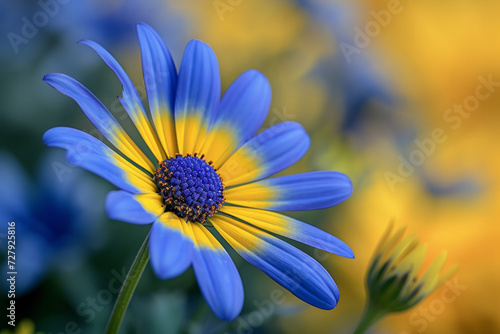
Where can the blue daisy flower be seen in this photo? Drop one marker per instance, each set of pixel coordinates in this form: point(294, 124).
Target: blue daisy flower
point(206, 171)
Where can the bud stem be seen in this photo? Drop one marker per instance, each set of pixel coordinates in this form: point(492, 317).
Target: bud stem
point(372, 314)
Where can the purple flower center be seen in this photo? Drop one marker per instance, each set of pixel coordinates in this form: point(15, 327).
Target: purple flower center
point(190, 186)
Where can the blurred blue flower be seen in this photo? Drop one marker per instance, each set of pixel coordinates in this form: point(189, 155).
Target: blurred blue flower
point(113, 22)
point(356, 79)
point(36, 35)
point(55, 226)
point(367, 100)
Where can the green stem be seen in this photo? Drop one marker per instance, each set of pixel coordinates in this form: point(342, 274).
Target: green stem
point(371, 315)
point(128, 288)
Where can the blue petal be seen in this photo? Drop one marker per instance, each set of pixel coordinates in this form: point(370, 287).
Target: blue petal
point(97, 113)
point(197, 97)
point(245, 103)
point(131, 100)
point(293, 269)
point(268, 153)
point(217, 276)
point(241, 113)
point(170, 246)
point(160, 77)
point(134, 208)
point(130, 94)
point(91, 106)
point(291, 228)
point(89, 153)
point(307, 191)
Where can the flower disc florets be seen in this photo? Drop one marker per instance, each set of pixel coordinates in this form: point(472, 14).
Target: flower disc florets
point(190, 186)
